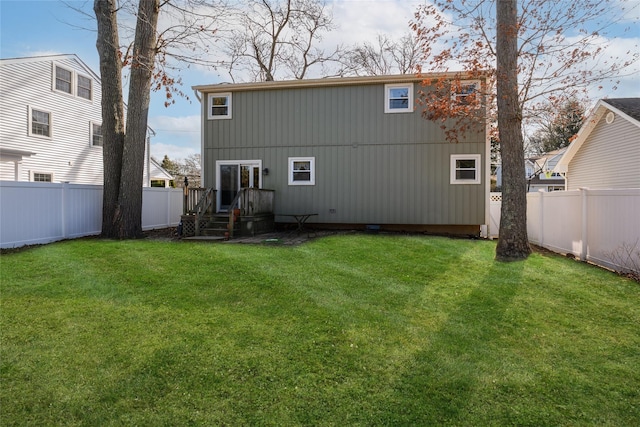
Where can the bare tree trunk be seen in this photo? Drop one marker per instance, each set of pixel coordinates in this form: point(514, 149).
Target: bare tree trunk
point(144, 52)
point(107, 45)
point(513, 243)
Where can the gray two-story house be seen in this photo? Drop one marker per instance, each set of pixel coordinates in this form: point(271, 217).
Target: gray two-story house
point(355, 151)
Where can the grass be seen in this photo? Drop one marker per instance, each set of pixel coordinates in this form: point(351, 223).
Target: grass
point(345, 330)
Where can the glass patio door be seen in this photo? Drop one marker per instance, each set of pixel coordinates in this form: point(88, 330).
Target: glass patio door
point(233, 176)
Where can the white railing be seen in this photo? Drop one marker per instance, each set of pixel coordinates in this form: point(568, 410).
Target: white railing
point(36, 213)
point(589, 224)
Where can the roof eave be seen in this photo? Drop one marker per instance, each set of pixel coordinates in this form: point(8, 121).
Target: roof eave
point(333, 81)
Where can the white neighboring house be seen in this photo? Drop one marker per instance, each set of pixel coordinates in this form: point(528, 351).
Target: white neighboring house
point(539, 171)
point(50, 122)
point(606, 152)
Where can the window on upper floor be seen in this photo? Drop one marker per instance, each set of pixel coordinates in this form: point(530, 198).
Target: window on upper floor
point(63, 79)
point(96, 135)
point(465, 169)
point(39, 123)
point(302, 171)
point(85, 87)
point(398, 98)
point(67, 81)
point(465, 92)
point(219, 106)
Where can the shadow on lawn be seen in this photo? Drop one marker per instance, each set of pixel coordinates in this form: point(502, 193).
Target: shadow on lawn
point(441, 384)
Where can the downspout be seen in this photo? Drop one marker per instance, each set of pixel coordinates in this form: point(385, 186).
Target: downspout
point(202, 163)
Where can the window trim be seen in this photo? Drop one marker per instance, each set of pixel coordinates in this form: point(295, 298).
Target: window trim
point(210, 98)
point(312, 170)
point(456, 95)
point(32, 174)
point(92, 135)
point(478, 168)
point(30, 123)
point(77, 86)
point(387, 98)
point(55, 79)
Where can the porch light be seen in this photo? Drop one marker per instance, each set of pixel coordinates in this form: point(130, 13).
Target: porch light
point(265, 171)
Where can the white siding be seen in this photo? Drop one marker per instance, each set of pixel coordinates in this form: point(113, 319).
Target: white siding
point(68, 154)
point(609, 157)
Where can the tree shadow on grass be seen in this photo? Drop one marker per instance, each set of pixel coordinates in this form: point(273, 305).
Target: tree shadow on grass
point(441, 383)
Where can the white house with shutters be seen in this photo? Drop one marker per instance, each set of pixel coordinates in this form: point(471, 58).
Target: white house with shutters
point(50, 122)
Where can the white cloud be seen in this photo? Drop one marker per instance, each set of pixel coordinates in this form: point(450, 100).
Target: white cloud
point(361, 21)
point(176, 137)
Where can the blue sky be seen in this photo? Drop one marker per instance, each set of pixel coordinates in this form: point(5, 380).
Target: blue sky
point(30, 28)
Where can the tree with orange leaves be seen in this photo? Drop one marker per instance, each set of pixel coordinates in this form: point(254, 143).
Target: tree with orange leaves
point(537, 53)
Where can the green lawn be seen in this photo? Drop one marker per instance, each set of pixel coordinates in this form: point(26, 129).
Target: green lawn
point(345, 330)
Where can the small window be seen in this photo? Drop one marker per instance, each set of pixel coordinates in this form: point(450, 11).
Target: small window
point(84, 87)
point(465, 92)
point(219, 106)
point(398, 98)
point(41, 177)
point(39, 123)
point(63, 79)
point(465, 169)
point(302, 171)
point(96, 135)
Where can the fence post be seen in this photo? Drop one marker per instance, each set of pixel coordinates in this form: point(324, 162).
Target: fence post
point(541, 218)
point(63, 203)
point(584, 238)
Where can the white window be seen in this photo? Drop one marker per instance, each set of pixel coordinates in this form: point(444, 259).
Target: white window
point(219, 106)
point(398, 98)
point(302, 171)
point(39, 123)
point(465, 91)
point(41, 176)
point(84, 89)
point(465, 169)
point(63, 79)
point(96, 135)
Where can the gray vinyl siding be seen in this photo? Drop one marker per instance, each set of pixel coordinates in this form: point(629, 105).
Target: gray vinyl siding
point(371, 167)
point(608, 158)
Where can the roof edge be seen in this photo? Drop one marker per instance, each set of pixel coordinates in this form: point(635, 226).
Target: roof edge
point(334, 81)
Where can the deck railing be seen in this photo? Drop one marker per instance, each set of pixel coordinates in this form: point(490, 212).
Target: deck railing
point(193, 199)
point(250, 202)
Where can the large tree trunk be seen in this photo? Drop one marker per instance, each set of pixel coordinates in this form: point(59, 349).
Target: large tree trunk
point(144, 52)
point(107, 45)
point(513, 243)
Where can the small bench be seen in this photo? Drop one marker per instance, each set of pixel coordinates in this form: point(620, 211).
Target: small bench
point(301, 219)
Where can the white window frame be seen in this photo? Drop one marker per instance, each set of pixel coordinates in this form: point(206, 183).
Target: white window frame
point(30, 123)
point(32, 175)
point(210, 98)
point(387, 98)
point(312, 170)
point(55, 79)
point(77, 86)
point(478, 168)
point(459, 96)
point(91, 134)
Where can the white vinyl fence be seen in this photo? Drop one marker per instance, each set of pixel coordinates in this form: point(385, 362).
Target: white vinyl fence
point(590, 224)
point(36, 213)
